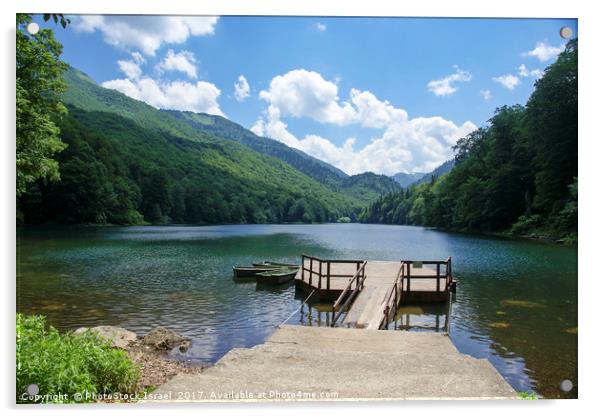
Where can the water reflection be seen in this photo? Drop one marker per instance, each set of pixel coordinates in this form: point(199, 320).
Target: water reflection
point(426, 317)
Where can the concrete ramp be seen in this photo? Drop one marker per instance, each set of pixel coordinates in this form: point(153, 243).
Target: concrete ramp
point(311, 363)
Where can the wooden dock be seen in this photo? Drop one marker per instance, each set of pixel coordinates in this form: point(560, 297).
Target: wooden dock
point(367, 293)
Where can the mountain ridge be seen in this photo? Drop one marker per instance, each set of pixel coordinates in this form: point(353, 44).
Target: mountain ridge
point(88, 95)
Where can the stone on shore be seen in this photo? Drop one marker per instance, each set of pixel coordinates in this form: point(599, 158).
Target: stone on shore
point(164, 339)
point(119, 337)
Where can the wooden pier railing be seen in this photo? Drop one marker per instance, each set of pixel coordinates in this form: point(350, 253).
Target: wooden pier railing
point(355, 285)
point(403, 284)
point(319, 270)
point(446, 274)
point(393, 298)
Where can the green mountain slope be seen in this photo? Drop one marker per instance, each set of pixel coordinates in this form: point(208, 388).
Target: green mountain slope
point(127, 162)
point(85, 94)
point(224, 128)
point(368, 186)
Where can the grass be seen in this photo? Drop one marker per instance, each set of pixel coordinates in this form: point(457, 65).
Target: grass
point(530, 396)
point(65, 365)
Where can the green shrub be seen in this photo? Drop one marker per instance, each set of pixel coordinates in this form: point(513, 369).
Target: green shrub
point(68, 364)
point(530, 396)
point(526, 225)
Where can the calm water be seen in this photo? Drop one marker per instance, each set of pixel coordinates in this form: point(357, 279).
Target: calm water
point(516, 302)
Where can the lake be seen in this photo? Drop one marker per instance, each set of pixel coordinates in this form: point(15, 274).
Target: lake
point(516, 303)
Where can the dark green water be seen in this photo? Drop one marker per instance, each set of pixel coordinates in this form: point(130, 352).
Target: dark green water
point(516, 302)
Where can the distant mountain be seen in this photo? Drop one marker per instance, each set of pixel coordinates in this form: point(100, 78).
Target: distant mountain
point(444, 168)
point(405, 179)
point(368, 186)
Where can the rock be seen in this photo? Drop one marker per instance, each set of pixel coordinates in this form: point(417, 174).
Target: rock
point(119, 337)
point(184, 346)
point(163, 339)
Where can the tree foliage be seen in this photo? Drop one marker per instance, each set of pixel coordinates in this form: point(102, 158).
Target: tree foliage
point(39, 83)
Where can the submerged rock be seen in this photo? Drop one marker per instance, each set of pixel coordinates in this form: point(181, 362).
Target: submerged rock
point(522, 303)
point(119, 337)
point(164, 339)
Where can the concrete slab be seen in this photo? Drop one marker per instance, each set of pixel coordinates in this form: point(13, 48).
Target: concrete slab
point(307, 363)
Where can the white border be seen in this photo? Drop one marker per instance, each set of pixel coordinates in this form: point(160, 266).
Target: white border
point(589, 173)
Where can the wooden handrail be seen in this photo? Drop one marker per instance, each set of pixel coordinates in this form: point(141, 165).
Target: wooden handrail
point(317, 269)
point(393, 298)
point(344, 299)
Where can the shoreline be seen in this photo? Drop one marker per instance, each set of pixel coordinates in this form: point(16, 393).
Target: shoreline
point(503, 234)
point(150, 353)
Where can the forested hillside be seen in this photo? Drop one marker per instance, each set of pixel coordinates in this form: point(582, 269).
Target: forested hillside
point(367, 186)
point(224, 128)
point(126, 162)
point(114, 170)
point(516, 175)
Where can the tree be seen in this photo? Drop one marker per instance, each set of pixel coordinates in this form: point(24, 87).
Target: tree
point(552, 126)
point(39, 84)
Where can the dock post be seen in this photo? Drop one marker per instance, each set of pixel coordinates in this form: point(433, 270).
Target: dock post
point(320, 276)
point(328, 275)
point(438, 278)
point(311, 269)
point(409, 264)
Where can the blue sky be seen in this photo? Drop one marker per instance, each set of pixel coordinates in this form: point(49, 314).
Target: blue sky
point(365, 94)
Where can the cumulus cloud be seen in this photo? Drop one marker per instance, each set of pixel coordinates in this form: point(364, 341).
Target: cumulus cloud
point(145, 33)
point(447, 85)
point(404, 144)
point(523, 71)
point(182, 61)
point(132, 67)
point(200, 97)
point(508, 81)
point(177, 95)
point(321, 26)
point(486, 94)
point(241, 88)
point(543, 51)
point(305, 93)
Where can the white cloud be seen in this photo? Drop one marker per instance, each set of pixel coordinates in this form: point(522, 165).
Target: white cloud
point(183, 61)
point(145, 33)
point(241, 89)
point(523, 71)
point(543, 51)
point(419, 144)
point(486, 94)
point(177, 95)
point(447, 85)
point(508, 81)
point(321, 26)
point(131, 68)
point(301, 93)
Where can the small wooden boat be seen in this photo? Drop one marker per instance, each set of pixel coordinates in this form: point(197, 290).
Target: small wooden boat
point(251, 271)
point(274, 263)
point(280, 276)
